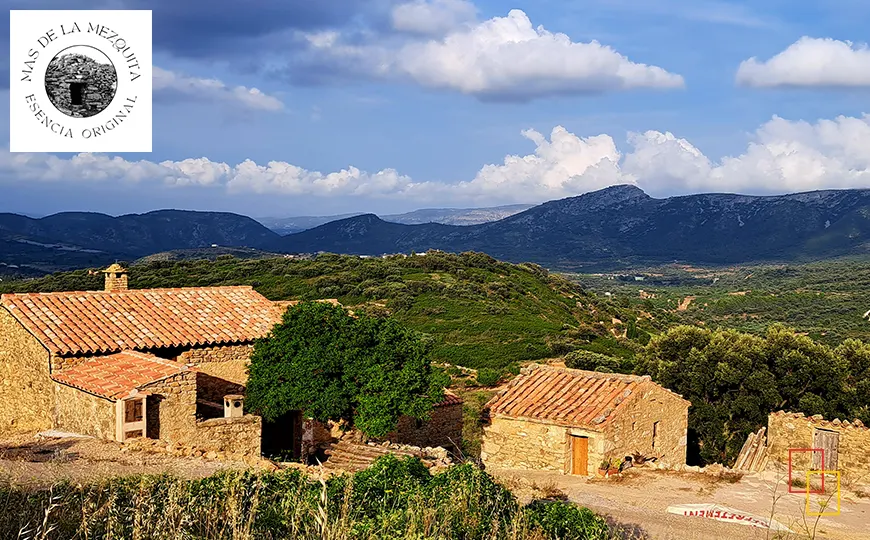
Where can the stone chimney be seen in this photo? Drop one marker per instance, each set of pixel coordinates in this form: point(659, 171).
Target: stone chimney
point(234, 406)
point(116, 278)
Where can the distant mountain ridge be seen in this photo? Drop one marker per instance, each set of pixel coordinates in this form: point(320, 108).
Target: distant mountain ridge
point(616, 226)
point(75, 239)
point(623, 222)
point(445, 216)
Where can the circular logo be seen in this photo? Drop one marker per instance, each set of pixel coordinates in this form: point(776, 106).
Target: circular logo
point(81, 81)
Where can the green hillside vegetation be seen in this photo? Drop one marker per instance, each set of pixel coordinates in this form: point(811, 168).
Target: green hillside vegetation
point(825, 300)
point(480, 312)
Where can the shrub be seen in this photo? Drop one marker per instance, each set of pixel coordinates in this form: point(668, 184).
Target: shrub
point(488, 377)
point(566, 521)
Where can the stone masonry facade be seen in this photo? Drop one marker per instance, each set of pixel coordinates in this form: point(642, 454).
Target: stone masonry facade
point(526, 444)
point(222, 370)
point(171, 407)
point(794, 430)
point(240, 435)
point(656, 411)
point(80, 412)
point(25, 386)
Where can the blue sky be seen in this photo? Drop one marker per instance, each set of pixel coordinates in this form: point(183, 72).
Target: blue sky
point(392, 105)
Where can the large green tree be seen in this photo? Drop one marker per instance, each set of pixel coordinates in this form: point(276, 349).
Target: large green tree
point(367, 371)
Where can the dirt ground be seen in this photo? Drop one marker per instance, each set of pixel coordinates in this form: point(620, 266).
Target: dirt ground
point(639, 499)
point(24, 459)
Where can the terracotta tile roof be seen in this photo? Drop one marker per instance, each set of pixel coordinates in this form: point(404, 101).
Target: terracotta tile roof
point(570, 397)
point(449, 399)
point(104, 322)
point(114, 376)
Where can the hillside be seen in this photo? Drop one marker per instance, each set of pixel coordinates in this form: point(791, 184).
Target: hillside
point(826, 300)
point(621, 225)
point(480, 312)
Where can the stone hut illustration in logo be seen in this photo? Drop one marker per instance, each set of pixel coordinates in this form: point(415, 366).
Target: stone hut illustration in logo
point(81, 81)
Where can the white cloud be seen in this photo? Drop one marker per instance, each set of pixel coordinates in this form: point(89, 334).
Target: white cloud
point(500, 58)
point(432, 17)
point(783, 156)
point(213, 90)
point(810, 62)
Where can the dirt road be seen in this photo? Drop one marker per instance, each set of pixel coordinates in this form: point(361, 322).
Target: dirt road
point(640, 500)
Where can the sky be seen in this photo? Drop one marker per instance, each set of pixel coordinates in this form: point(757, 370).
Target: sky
point(294, 107)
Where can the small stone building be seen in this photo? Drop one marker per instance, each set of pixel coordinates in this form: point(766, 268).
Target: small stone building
point(846, 445)
point(570, 420)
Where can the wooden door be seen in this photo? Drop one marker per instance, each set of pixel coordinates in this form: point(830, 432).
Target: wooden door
point(579, 455)
point(829, 441)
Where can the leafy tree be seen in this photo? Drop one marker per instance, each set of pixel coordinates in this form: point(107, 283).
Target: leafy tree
point(735, 380)
point(364, 370)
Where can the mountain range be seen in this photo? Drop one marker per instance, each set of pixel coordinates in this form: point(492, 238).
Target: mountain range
point(615, 226)
point(446, 216)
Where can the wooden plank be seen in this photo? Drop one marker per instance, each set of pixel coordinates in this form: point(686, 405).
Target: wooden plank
point(750, 444)
point(741, 456)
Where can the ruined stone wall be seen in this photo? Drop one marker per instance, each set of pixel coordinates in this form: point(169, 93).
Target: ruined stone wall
point(240, 435)
point(83, 413)
point(794, 430)
point(171, 408)
point(631, 430)
point(444, 428)
point(25, 387)
point(524, 444)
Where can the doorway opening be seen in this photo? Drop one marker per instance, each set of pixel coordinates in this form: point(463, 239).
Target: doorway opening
point(282, 438)
point(77, 93)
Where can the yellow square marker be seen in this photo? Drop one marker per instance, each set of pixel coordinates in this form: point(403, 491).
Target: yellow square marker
point(837, 513)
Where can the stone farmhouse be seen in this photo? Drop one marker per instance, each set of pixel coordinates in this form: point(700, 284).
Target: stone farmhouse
point(168, 364)
point(569, 420)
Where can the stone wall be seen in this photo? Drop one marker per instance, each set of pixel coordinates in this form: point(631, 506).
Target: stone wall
point(222, 370)
point(794, 430)
point(444, 428)
point(83, 413)
point(524, 444)
point(220, 353)
point(26, 390)
point(632, 429)
point(171, 407)
point(240, 435)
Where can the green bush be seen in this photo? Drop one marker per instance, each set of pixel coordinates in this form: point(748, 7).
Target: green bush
point(593, 361)
point(488, 377)
point(566, 521)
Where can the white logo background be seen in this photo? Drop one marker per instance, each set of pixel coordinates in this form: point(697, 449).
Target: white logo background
point(36, 37)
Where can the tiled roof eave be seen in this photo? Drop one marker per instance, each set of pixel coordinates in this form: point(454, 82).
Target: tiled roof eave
point(83, 389)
